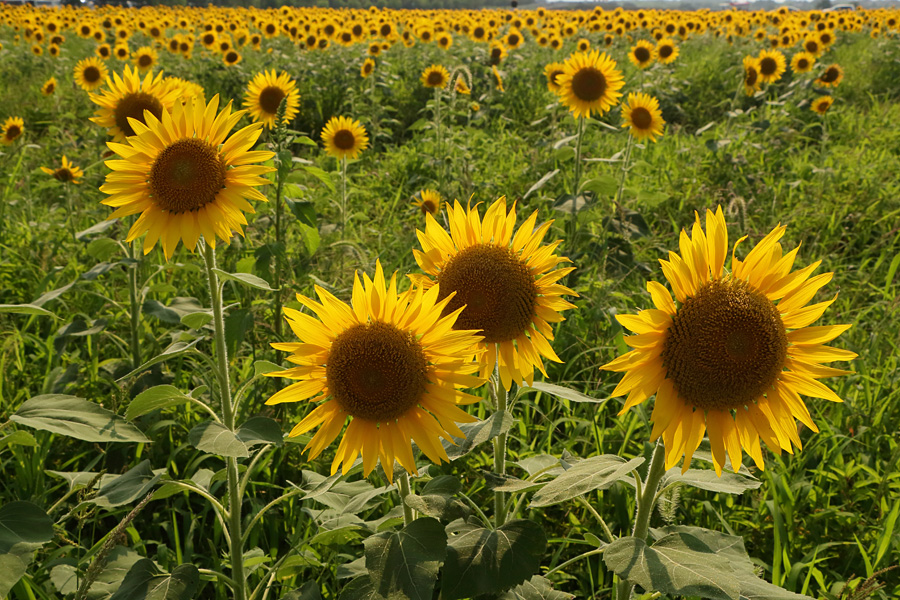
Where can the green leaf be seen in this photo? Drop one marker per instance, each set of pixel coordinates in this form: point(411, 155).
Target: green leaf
point(321, 176)
point(77, 418)
point(127, 487)
point(561, 392)
point(145, 581)
point(478, 433)
point(651, 199)
point(25, 309)
point(155, 398)
point(24, 527)
point(103, 249)
point(308, 591)
point(728, 483)
point(260, 430)
point(215, 438)
point(174, 349)
point(65, 579)
point(486, 561)
point(261, 367)
point(304, 211)
point(305, 140)
point(595, 473)
point(537, 588)
point(605, 185)
point(360, 588)
point(11, 570)
point(754, 588)
point(196, 320)
point(17, 438)
point(158, 310)
point(405, 564)
point(540, 183)
point(437, 499)
point(311, 238)
point(245, 279)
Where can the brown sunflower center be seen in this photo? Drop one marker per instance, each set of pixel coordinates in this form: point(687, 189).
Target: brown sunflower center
point(641, 118)
point(768, 66)
point(642, 54)
point(63, 174)
point(231, 57)
point(435, 78)
point(725, 347)
point(91, 74)
point(187, 175)
point(376, 372)
point(344, 139)
point(495, 286)
point(588, 84)
point(429, 206)
point(513, 39)
point(750, 76)
point(13, 131)
point(553, 76)
point(802, 64)
point(145, 60)
point(665, 51)
point(133, 106)
point(270, 98)
point(830, 75)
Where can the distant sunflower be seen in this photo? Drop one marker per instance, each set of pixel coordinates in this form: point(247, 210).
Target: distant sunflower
point(49, 87)
point(391, 363)
point(344, 138)
point(121, 52)
point(103, 51)
point(185, 178)
point(265, 93)
point(822, 104)
point(752, 80)
point(145, 58)
point(435, 76)
point(727, 359)
point(506, 285)
point(590, 83)
point(445, 40)
point(13, 128)
point(666, 51)
point(368, 67)
point(514, 39)
point(67, 172)
point(642, 54)
point(127, 97)
point(90, 73)
point(802, 62)
point(832, 76)
point(38, 50)
point(497, 53)
point(428, 201)
point(552, 73)
point(642, 116)
point(231, 58)
point(772, 66)
point(812, 45)
point(583, 45)
point(461, 87)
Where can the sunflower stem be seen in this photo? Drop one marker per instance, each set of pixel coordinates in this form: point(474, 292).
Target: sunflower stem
point(404, 491)
point(133, 277)
point(234, 493)
point(500, 398)
point(577, 177)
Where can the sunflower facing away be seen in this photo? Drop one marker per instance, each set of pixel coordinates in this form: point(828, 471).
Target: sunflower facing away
point(184, 177)
point(127, 97)
point(772, 65)
point(506, 283)
point(392, 363)
point(344, 138)
point(642, 54)
point(428, 201)
point(67, 172)
point(13, 128)
point(49, 87)
point(832, 76)
point(90, 73)
point(265, 93)
point(552, 73)
point(590, 83)
point(435, 76)
point(822, 104)
point(802, 62)
point(642, 116)
point(732, 357)
point(752, 81)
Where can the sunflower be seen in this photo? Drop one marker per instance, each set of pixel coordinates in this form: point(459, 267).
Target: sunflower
point(49, 87)
point(66, 173)
point(392, 363)
point(128, 97)
point(752, 81)
point(344, 138)
point(497, 77)
point(772, 65)
point(497, 53)
point(666, 51)
point(435, 76)
point(506, 284)
point(13, 128)
point(513, 39)
point(265, 93)
point(103, 51)
point(445, 40)
point(38, 50)
point(802, 62)
point(121, 52)
point(368, 67)
point(90, 73)
point(642, 115)
point(590, 83)
point(461, 87)
point(642, 54)
point(552, 73)
point(231, 58)
point(822, 104)
point(429, 201)
point(583, 45)
point(727, 359)
point(832, 76)
point(144, 58)
point(184, 177)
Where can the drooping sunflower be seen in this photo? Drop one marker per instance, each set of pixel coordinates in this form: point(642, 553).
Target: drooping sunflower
point(590, 83)
point(368, 67)
point(428, 201)
point(184, 177)
point(67, 172)
point(732, 357)
point(49, 87)
point(506, 283)
point(90, 73)
point(435, 76)
point(265, 93)
point(666, 51)
point(393, 364)
point(752, 80)
point(772, 65)
point(552, 73)
point(344, 138)
point(145, 58)
point(127, 97)
point(461, 87)
point(832, 76)
point(642, 54)
point(802, 62)
point(13, 128)
point(641, 114)
point(822, 104)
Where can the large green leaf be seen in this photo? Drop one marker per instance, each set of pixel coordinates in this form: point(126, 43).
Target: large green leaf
point(77, 418)
point(245, 279)
point(11, 570)
point(536, 588)
point(128, 487)
point(437, 499)
point(25, 309)
point(478, 433)
point(728, 483)
point(24, 527)
point(487, 561)
point(594, 473)
point(307, 591)
point(158, 397)
point(145, 581)
point(404, 564)
point(260, 430)
point(17, 438)
point(215, 438)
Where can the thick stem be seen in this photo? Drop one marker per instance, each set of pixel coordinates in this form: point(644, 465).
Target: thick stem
point(404, 491)
point(234, 493)
point(499, 393)
point(134, 293)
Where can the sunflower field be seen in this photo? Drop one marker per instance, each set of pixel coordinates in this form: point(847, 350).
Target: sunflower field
point(518, 304)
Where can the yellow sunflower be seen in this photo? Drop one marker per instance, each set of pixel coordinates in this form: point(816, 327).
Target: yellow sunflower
point(367, 68)
point(184, 177)
point(392, 363)
point(552, 73)
point(772, 65)
point(126, 99)
point(435, 76)
point(344, 138)
point(506, 284)
point(590, 83)
point(752, 81)
point(49, 87)
point(461, 87)
point(642, 116)
point(732, 357)
point(666, 51)
point(802, 62)
point(231, 58)
point(121, 52)
point(265, 93)
point(822, 104)
point(497, 53)
point(90, 73)
point(67, 172)
point(832, 76)
point(642, 54)
point(144, 58)
point(13, 128)
point(428, 201)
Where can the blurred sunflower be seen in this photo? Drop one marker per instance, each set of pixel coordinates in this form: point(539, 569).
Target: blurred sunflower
point(590, 83)
point(583, 45)
point(505, 284)
point(144, 58)
point(666, 51)
point(445, 40)
point(832, 76)
point(127, 97)
point(103, 51)
point(344, 138)
point(642, 54)
point(435, 76)
point(552, 73)
point(428, 201)
point(772, 65)
point(822, 104)
point(13, 128)
point(727, 360)
point(802, 62)
point(752, 81)
point(231, 58)
point(67, 172)
point(121, 52)
point(90, 73)
point(184, 177)
point(49, 87)
point(265, 93)
point(391, 363)
point(461, 87)
point(497, 53)
point(641, 114)
point(368, 67)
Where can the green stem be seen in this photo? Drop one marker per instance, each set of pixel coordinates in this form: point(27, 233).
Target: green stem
point(133, 278)
point(234, 494)
point(403, 489)
point(499, 394)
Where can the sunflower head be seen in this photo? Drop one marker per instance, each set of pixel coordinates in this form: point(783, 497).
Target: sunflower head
point(265, 93)
point(49, 87)
point(666, 51)
point(641, 114)
point(90, 73)
point(642, 54)
point(821, 104)
point(461, 87)
point(344, 138)
point(368, 67)
point(435, 76)
point(590, 82)
point(552, 73)
point(772, 65)
point(66, 172)
point(803, 62)
point(752, 80)
point(428, 201)
point(13, 128)
point(128, 97)
point(831, 77)
point(145, 58)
